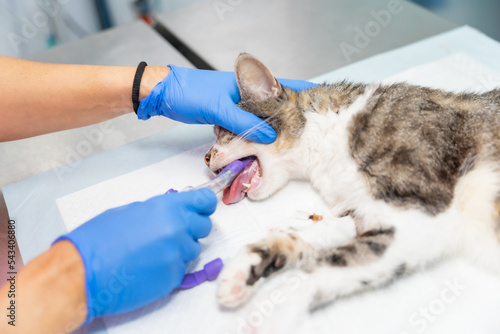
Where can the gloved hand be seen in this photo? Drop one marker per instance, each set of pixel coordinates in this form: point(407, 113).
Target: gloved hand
point(137, 253)
point(208, 97)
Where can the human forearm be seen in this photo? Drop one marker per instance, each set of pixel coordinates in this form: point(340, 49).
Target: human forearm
point(50, 293)
point(38, 98)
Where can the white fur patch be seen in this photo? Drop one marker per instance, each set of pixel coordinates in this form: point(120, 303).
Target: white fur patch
point(332, 170)
point(475, 196)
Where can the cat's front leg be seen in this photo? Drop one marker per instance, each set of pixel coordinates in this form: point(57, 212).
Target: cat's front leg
point(280, 251)
point(375, 257)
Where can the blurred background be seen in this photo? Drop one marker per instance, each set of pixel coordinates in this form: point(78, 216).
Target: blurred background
point(30, 26)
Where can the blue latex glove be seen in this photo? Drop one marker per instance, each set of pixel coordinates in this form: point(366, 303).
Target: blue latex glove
point(137, 253)
point(208, 97)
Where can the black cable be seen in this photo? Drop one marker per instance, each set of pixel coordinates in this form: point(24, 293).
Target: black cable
point(185, 50)
point(103, 11)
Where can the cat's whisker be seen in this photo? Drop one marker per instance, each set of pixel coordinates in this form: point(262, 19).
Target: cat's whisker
point(247, 133)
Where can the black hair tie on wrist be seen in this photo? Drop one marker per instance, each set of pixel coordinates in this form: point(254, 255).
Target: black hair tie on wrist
point(137, 84)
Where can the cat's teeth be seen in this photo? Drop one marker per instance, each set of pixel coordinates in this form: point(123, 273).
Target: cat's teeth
point(247, 185)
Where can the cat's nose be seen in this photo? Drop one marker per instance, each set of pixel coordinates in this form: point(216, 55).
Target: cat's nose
point(207, 158)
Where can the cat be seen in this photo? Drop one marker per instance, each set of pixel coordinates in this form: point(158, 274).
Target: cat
point(417, 169)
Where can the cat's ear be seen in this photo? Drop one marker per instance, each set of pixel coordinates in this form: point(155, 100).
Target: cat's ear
point(254, 79)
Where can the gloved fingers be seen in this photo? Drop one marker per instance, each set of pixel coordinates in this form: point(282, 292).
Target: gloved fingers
point(202, 201)
point(199, 227)
point(297, 85)
point(190, 249)
point(245, 124)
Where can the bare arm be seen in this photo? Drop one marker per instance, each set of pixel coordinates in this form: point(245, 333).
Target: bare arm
point(38, 98)
point(50, 293)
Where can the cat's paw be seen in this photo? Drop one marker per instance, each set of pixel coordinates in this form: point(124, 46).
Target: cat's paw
point(239, 279)
point(233, 287)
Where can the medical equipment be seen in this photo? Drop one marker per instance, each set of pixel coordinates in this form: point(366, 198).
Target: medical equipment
point(223, 179)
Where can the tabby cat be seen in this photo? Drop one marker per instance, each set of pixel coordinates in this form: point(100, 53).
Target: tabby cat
point(417, 169)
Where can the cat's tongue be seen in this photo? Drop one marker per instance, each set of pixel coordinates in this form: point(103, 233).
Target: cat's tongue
point(244, 181)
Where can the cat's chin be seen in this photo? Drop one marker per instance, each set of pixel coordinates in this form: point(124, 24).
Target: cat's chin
point(260, 191)
point(258, 196)
point(265, 190)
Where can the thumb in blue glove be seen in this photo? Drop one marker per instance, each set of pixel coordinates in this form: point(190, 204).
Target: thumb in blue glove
point(137, 253)
point(208, 97)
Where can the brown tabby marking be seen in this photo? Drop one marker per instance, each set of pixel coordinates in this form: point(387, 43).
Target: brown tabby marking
point(413, 149)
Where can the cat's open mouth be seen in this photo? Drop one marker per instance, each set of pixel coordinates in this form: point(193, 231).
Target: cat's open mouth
point(244, 182)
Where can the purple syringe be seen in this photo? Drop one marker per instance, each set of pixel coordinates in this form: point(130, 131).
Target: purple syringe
point(209, 272)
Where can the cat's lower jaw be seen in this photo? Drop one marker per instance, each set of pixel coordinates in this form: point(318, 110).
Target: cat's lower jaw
point(268, 185)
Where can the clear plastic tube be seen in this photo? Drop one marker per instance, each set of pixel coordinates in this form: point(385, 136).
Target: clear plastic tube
point(225, 178)
point(221, 182)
